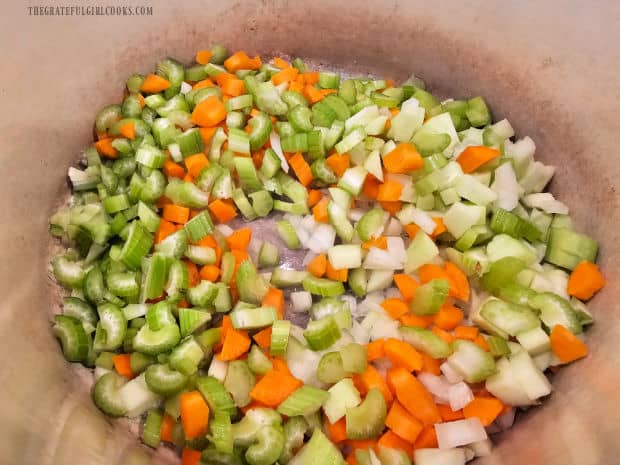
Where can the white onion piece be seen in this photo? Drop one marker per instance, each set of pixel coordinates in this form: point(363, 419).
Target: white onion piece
point(459, 396)
point(439, 457)
point(410, 104)
point(436, 385)
point(546, 202)
point(185, 87)
point(274, 141)
point(451, 375)
point(392, 293)
point(481, 448)
point(225, 229)
point(302, 301)
point(322, 238)
point(379, 259)
point(351, 301)
point(459, 433)
point(382, 365)
point(506, 187)
point(308, 258)
point(359, 333)
point(393, 228)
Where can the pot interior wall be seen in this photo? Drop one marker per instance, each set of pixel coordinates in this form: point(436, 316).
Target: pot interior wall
point(552, 71)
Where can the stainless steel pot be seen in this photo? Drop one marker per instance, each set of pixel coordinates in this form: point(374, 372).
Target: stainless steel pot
point(551, 67)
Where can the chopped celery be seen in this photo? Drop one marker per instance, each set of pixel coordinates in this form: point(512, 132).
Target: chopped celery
point(367, 420)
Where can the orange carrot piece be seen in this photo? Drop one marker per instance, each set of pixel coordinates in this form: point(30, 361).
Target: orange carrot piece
point(395, 308)
point(274, 298)
point(194, 414)
point(223, 211)
point(286, 75)
point(427, 438)
point(209, 112)
point(412, 230)
point(389, 191)
point(481, 342)
point(337, 432)
point(371, 186)
point(128, 130)
point(167, 423)
point(440, 227)
point(301, 168)
point(374, 350)
point(371, 378)
point(391, 207)
point(195, 163)
point(444, 335)
point(585, 281)
point(412, 394)
point(566, 346)
point(448, 317)
point(279, 364)
point(122, 365)
point(141, 100)
point(280, 63)
point(240, 60)
point(473, 157)
point(236, 343)
point(274, 387)
point(318, 265)
point(336, 275)
point(319, 211)
point(411, 319)
point(338, 163)
point(210, 273)
point(447, 414)
point(466, 332)
point(311, 77)
point(314, 197)
point(188, 178)
point(153, 84)
point(192, 270)
point(203, 57)
point(401, 422)
point(312, 94)
point(486, 409)
point(240, 239)
point(203, 84)
point(378, 242)
point(164, 229)
point(190, 456)
point(459, 280)
point(173, 170)
point(430, 365)
point(263, 338)
point(350, 459)
point(403, 159)
point(176, 214)
point(233, 87)
point(402, 354)
point(406, 285)
point(429, 272)
point(105, 148)
point(207, 134)
point(391, 440)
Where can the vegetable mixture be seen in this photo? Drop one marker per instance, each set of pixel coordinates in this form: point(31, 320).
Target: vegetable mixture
point(440, 282)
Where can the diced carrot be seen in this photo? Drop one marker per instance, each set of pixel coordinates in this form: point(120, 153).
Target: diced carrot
point(240, 239)
point(392, 207)
point(401, 422)
point(486, 409)
point(314, 197)
point(141, 100)
point(412, 230)
point(336, 275)
point(371, 378)
point(371, 187)
point(350, 459)
point(128, 130)
point(222, 210)
point(122, 365)
point(206, 134)
point(167, 423)
point(209, 112)
point(319, 211)
point(473, 157)
point(104, 147)
point(192, 270)
point(154, 84)
point(203, 57)
point(459, 283)
point(412, 319)
point(194, 414)
point(164, 229)
point(429, 272)
point(203, 84)
point(444, 335)
point(233, 87)
point(427, 438)
point(188, 178)
point(240, 60)
point(403, 159)
point(195, 163)
point(163, 200)
point(389, 191)
point(391, 440)
point(395, 307)
point(448, 317)
point(173, 170)
point(566, 346)
point(301, 168)
point(337, 431)
point(430, 365)
point(274, 298)
point(286, 75)
point(447, 414)
point(263, 338)
point(210, 273)
point(296, 87)
point(328, 91)
point(318, 265)
point(412, 394)
point(378, 242)
point(440, 227)
point(279, 364)
point(280, 63)
point(406, 285)
point(585, 281)
point(274, 387)
point(236, 343)
point(338, 163)
point(466, 332)
point(374, 350)
point(190, 456)
point(402, 354)
point(311, 77)
point(176, 214)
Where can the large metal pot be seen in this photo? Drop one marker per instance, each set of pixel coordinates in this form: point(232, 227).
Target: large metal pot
point(551, 67)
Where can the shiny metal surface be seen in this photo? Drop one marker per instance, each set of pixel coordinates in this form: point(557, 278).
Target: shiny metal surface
point(550, 67)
